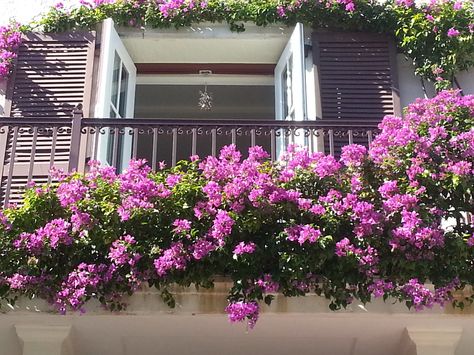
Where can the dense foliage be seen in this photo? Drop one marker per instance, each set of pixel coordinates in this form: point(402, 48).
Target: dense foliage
point(367, 225)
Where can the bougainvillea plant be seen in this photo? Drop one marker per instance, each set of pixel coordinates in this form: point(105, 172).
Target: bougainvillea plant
point(10, 37)
point(438, 35)
point(370, 224)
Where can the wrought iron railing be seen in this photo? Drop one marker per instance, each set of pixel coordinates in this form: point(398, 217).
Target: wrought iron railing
point(29, 147)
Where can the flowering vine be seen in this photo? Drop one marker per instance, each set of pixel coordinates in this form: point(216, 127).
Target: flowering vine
point(369, 224)
point(10, 37)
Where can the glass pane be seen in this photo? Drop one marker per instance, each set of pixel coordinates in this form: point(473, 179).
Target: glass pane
point(284, 84)
point(115, 80)
point(110, 140)
point(289, 89)
point(122, 108)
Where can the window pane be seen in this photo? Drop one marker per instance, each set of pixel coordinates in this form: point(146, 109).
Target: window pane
point(122, 109)
point(110, 141)
point(284, 84)
point(289, 89)
point(115, 79)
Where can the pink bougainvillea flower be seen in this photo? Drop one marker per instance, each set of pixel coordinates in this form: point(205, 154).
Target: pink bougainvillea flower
point(452, 32)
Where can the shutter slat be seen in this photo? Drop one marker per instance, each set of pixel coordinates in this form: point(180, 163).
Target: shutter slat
point(52, 76)
point(356, 78)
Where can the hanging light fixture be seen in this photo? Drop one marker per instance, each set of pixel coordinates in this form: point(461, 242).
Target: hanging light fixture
point(205, 97)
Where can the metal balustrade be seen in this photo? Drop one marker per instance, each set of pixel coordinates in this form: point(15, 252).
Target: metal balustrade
point(29, 147)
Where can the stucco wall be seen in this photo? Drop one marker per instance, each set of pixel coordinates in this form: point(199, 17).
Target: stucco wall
point(411, 88)
point(198, 326)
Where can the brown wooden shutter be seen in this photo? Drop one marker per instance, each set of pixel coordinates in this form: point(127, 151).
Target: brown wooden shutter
point(357, 79)
point(53, 75)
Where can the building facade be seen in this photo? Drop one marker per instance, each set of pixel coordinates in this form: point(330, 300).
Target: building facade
point(169, 94)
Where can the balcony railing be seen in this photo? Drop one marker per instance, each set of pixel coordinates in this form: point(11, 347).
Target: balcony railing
point(29, 147)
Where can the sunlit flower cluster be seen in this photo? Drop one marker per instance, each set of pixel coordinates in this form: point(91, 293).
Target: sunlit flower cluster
point(10, 38)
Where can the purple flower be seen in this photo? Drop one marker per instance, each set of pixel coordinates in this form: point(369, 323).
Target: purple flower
point(244, 248)
point(173, 179)
point(80, 284)
point(460, 168)
point(457, 5)
point(79, 220)
point(452, 32)
point(267, 284)
point(420, 296)
point(380, 288)
point(317, 210)
point(257, 153)
point(344, 247)
point(4, 221)
point(181, 225)
point(303, 234)
point(55, 233)
point(350, 7)
point(173, 258)
point(281, 11)
point(221, 227)
point(353, 154)
point(240, 311)
point(326, 166)
point(470, 241)
point(18, 281)
point(201, 248)
point(405, 3)
point(119, 252)
point(138, 190)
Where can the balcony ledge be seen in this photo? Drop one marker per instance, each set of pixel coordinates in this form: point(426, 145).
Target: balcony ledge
point(193, 301)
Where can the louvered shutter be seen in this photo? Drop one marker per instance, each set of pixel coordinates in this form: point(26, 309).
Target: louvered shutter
point(357, 79)
point(53, 75)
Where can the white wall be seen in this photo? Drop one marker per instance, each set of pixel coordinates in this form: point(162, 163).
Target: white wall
point(197, 326)
point(410, 84)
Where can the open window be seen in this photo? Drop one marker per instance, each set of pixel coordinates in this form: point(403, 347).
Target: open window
point(290, 87)
point(116, 96)
point(263, 82)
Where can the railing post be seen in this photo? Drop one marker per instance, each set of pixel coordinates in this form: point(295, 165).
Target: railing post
point(75, 139)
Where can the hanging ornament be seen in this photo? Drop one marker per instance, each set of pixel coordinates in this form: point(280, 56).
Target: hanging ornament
point(205, 99)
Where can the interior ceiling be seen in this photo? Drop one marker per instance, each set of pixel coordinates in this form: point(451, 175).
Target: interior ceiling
point(181, 101)
point(216, 44)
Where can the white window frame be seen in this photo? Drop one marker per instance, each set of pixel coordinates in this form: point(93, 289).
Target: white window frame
point(292, 65)
point(110, 46)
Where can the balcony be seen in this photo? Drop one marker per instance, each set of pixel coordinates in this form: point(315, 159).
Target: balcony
point(33, 146)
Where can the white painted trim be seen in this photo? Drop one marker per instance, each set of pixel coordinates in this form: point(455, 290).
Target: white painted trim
point(435, 340)
point(295, 50)
point(208, 30)
point(44, 339)
point(213, 79)
point(111, 44)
